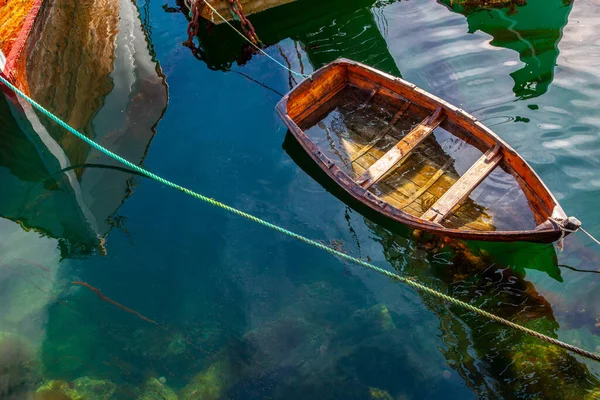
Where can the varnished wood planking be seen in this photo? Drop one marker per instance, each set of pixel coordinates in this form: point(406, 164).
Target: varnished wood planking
point(303, 103)
point(380, 168)
point(536, 190)
point(416, 176)
point(464, 186)
point(425, 187)
point(411, 176)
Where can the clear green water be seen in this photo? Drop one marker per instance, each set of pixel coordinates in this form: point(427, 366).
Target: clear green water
point(244, 313)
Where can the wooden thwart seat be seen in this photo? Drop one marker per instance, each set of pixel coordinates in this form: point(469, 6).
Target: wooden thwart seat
point(464, 186)
point(400, 150)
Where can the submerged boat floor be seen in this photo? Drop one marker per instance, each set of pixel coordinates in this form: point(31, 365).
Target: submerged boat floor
point(355, 129)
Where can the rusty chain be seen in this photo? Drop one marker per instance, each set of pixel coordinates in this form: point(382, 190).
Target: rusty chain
point(237, 11)
point(192, 29)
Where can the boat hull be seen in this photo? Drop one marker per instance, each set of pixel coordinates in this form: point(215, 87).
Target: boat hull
point(329, 80)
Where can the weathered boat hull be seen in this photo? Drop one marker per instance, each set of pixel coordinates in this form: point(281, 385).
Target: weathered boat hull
point(306, 98)
point(249, 6)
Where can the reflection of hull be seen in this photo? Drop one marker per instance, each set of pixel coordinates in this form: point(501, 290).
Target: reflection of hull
point(494, 361)
point(16, 21)
point(88, 62)
point(533, 31)
point(325, 31)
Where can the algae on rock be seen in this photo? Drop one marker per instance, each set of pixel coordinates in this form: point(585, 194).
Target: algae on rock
point(211, 383)
point(378, 394)
point(154, 389)
point(83, 388)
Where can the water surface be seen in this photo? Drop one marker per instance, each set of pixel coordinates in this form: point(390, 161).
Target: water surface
point(218, 307)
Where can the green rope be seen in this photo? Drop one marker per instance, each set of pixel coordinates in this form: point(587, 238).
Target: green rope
point(407, 280)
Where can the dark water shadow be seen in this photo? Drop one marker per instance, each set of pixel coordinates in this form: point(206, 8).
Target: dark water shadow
point(325, 31)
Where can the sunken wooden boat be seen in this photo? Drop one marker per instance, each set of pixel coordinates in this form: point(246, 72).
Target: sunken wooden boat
point(417, 159)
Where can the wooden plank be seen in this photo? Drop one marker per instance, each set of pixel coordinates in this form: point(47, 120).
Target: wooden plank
point(429, 183)
point(399, 194)
point(400, 150)
point(464, 186)
point(383, 133)
point(371, 95)
point(318, 92)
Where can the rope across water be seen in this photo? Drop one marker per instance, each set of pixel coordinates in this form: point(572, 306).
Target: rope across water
point(406, 280)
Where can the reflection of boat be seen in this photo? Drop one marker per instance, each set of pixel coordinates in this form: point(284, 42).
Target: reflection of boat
point(117, 102)
point(324, 30)
point(533, 29)
point(494, 362)
point(16, 21)
point(362, 127)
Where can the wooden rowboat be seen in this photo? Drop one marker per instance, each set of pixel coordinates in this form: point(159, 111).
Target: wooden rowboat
point(417, 159)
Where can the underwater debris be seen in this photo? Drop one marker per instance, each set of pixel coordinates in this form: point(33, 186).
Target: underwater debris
point(111, 301)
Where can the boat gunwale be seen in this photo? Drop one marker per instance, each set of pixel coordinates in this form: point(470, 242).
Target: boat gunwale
point(544, 232)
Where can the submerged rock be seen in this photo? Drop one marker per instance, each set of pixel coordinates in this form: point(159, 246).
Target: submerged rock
point(377, 318)
point(156, 389)
point(211, 383)
point(56, 390)
point(84, 388)
point(378, 394)
point(541, 368)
